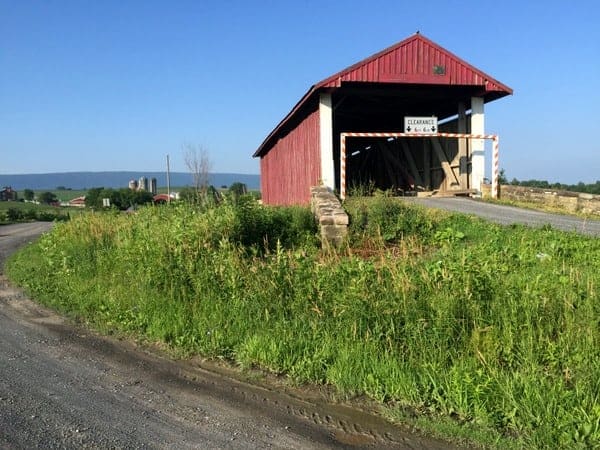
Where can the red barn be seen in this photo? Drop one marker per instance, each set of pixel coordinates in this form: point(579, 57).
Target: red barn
point(414, 78)
point(78, 201)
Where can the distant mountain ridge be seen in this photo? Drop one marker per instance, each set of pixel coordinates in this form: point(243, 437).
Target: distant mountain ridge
point(88, 180)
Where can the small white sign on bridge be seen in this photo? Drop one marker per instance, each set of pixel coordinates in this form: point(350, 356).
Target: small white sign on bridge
point(421, 125)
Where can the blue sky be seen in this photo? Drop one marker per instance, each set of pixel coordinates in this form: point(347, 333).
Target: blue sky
point(117, 85)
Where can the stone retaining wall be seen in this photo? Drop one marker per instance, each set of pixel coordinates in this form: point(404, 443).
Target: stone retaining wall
point(569, 201)
point(331, 217)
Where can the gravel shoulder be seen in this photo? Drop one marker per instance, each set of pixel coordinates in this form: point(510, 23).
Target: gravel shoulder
point(64, 386)
point(507, 215)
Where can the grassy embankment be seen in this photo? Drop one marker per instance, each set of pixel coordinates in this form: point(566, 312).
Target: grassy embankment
point(11, 212)
point(463, 328)
point(542, 207)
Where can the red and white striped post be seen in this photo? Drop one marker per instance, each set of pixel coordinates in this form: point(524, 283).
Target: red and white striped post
point(493, 137)
point(495, 170)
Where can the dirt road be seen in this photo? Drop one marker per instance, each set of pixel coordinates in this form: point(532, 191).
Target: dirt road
point(63, 386)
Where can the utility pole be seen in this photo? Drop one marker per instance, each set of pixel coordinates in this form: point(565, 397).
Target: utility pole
point(168, 181)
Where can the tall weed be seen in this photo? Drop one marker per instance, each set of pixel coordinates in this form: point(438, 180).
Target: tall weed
point(494, 327)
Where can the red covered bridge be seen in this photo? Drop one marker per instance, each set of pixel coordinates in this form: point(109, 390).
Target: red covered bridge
point(415, 77)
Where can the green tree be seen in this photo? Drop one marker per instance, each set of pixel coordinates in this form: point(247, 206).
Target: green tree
point(502, 179)
point(188, 194)
point(114, 197)
point(47, 198)
point(238, 189)
point(93, 199)
point(130, 198)
point(119, 198)
point(28, 194)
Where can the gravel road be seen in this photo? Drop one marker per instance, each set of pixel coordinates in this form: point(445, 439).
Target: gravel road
point(507, 215)
point(63, 386)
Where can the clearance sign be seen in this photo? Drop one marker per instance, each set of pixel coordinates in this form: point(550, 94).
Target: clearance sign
point(421, 125)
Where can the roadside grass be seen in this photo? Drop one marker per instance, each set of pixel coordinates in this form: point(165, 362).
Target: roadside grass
point(63, 195)
point(24, 206)
point(466, 329)
point(11, 212)
point(541, 207)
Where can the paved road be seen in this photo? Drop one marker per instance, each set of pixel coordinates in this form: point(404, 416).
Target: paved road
point(507, 215)
point(62, 386)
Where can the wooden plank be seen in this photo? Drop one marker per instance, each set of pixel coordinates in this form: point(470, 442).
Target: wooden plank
point(439, 151)
point(454, 193)
point(411, 163)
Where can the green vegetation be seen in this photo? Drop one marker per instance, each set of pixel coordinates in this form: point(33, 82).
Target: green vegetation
point(119, 198)
point(68, 194)
point(61, 195)
point(589, 188)
point(11, 212)
point(538, 206)
point(64, 194)
point(28, 195)
point(47, 198)
point(238, 189)
point(461, 327)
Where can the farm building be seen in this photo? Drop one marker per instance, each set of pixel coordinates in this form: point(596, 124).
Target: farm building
point(350, 130)
point(78, 201)
point(8, 194)
point(161, 198)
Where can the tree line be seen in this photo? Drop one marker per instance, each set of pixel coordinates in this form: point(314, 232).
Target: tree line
point(121, 199)
point(587, 188)
point(125, 198)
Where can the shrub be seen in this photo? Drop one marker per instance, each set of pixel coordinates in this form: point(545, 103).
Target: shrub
point(30, 214)
point(492, 328)
point(387, 218)
point(13, 214)
point(263, 228)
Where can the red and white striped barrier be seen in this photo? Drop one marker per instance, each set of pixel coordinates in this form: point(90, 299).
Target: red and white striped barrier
point(493, 137)
point(495, 172)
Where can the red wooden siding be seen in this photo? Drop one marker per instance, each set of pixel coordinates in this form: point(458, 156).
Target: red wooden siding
point(292, 165)
point(290, 154)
